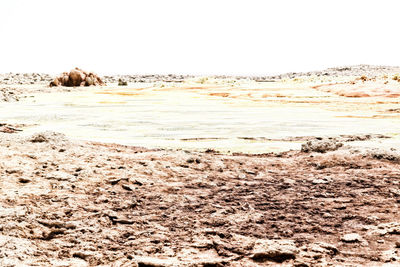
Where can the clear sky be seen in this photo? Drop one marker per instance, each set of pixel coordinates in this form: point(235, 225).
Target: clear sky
point(196, 37)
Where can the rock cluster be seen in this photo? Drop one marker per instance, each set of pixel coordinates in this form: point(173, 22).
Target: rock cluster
point(77, 77)
point(24, 78)
point(321, 145)
point(152, 78)
point(146, 78)
point(358, 70)
point(8, 94)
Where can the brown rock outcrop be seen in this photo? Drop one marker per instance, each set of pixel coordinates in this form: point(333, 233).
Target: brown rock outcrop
point(77, 77)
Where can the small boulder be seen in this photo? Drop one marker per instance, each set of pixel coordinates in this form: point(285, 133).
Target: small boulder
point(390, 255)
point(65, 79)
point(275, 250)
point(325, 248)
point(55, 82)
point(24, 180)
point(47, 137)
point(351, 238)
point(59, 176)
point(155, 262)
point(89, 81)
point(122, 82)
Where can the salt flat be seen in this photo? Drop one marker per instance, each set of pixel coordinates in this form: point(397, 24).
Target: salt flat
point(245, 117)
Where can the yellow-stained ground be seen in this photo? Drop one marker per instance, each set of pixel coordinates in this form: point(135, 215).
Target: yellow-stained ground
point(228, 116)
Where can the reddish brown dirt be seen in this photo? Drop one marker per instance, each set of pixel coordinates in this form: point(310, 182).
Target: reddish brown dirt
point(74, 204)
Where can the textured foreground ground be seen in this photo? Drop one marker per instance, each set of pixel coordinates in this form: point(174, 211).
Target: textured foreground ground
point(67, 203)
point(75, 203)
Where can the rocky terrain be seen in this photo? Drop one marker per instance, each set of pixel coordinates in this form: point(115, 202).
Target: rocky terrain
point(67, 202)
point(74, 203)
point(346, 71)
point(357, 70)
point(370, 71)
point(25, 78)
point(8, 94)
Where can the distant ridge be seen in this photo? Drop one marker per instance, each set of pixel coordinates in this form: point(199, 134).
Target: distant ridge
point(353, 70)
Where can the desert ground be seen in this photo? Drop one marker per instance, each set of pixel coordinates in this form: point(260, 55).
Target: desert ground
point(71, 196)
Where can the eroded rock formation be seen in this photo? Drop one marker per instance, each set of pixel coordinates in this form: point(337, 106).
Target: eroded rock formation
point(77, 77)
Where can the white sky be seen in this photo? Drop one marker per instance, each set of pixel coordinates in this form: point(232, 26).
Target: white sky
point(196, 37)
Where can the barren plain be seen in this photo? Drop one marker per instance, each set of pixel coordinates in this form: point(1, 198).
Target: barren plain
point(316, 182)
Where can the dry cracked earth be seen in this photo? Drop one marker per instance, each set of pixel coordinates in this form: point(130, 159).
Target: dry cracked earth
point(75, 203)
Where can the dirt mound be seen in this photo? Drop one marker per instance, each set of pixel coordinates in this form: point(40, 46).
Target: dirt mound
point(77, 77)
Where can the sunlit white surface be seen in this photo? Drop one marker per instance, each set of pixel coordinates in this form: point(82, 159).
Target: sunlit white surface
point(191, 119)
